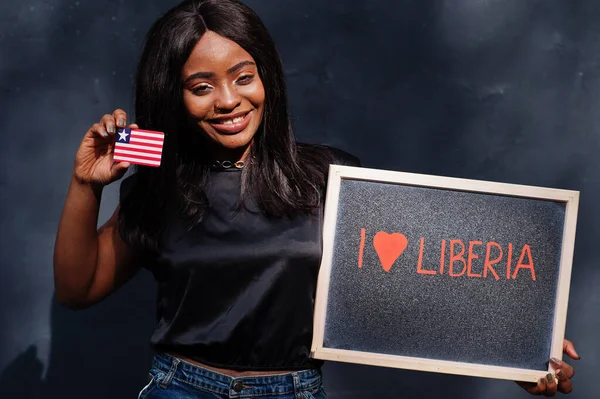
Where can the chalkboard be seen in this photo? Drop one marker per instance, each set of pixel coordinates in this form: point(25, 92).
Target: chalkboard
point(443, 274)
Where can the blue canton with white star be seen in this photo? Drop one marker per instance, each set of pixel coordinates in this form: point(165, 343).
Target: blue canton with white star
point(124, 135)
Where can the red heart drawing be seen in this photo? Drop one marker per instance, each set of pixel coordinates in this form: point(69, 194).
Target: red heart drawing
point(389, 247)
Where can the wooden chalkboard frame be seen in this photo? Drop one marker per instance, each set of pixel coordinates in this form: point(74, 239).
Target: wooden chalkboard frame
point(338, 173)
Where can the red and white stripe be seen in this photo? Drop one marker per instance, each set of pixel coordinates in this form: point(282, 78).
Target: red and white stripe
point(144, 148)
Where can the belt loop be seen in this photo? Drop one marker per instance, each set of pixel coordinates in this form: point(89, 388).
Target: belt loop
point(164, 383)
point(296, 378)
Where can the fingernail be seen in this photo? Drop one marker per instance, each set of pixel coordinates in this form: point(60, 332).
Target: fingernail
point(111, 129)
point(103, 132)
point(554, 360)
point(550, 378)
point(542, 380)
point(560, 374)
point(122, 122)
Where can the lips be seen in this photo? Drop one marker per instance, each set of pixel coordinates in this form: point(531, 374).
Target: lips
point(231, 124)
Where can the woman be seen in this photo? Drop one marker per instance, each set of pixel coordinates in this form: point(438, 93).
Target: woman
point(230, 224)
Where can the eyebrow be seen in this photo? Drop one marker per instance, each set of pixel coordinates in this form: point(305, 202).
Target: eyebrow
point(208, 75)
point(239, 66)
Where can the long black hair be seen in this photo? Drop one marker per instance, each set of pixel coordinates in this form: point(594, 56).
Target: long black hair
point(282, 177)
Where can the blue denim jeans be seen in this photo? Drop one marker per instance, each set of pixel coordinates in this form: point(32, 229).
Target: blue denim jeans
point(173, 378)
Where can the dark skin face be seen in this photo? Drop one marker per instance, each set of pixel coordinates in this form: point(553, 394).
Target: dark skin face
point(223, 95)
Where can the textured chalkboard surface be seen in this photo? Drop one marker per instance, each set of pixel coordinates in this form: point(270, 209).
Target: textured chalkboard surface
point(484, 318)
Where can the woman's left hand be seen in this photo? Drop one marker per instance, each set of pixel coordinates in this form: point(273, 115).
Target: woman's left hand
point(560, 381)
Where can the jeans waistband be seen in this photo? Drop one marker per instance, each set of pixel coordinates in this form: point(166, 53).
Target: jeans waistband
point(174, 368)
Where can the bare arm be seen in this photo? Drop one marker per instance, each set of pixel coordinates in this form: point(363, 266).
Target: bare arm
point(89, 264)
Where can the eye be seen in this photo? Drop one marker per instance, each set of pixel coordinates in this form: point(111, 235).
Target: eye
point(244, 80)
point(201, 89)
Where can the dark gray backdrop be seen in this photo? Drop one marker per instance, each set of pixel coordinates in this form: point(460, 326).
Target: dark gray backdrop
point(502, 90)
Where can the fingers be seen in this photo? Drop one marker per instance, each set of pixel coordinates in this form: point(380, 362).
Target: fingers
point(540, 388)
point(110, 123)
point(551, 385)
point(560, 365)
point(547, 386)
point(564, 383)
point(98, 129)
point(533, 388)
point(564, 373)
point(569, 349)
point(120, 117)
point(119, 168)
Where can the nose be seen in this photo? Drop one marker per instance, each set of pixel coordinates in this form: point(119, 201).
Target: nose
point(227, 100)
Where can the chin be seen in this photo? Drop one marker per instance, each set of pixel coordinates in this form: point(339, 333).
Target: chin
point(236, 145)
point(233, 143)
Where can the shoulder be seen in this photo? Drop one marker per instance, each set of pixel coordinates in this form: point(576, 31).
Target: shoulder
point(331, 154)
point(341, 157)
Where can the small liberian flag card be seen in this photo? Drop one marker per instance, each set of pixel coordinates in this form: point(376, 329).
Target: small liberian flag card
point(141, 147)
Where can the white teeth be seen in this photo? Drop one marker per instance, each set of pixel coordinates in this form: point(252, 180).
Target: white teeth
point(232, 121)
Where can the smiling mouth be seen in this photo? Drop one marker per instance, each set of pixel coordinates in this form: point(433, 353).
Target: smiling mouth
point(232, 124)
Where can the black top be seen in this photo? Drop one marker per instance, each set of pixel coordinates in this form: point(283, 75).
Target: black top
point(238, 290)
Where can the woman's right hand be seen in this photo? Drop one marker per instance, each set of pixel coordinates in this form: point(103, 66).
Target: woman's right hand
point(94, 163)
